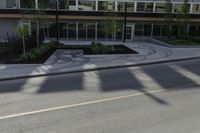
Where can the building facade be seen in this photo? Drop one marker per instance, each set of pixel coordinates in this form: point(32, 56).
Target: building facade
point(85, 19)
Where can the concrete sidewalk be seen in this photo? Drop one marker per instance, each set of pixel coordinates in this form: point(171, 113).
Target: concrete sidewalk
point(60, 62)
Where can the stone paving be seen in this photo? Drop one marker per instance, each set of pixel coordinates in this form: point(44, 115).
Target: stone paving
point(67, 61)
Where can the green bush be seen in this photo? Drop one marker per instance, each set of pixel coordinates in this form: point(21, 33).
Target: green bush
point(37, 52)
point(99, 48)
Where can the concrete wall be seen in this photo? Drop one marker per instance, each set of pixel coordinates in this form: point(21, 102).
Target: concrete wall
point(7, 26)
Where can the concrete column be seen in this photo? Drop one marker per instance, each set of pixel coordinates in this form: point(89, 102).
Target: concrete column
point(135, 6)
point(154, 6)
point(36, 4)
point(76, 5)
point(173, 7)
point(17, 4)
point(191, 7)
point(96, 5)
point(116, 6)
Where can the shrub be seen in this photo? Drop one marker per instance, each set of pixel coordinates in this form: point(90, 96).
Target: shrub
point(99, 48)
point(37, 52)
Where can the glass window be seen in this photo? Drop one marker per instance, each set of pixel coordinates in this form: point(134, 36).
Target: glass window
point(91, 31)
point(130, 6)
point(119, 31)
point(144, 7)
point(27, 4)
point(46, 4)
point(164, 30)
point(174, 30)
point(52, 30)
point(82, 31)
point(10, 3)
point(156, 30)
point(106, 6)
point(198, 31)
point(178, 7)
point(67, 4)
point(196, 8)
point(86, 5)
point(160, 7)
point(147, 30)
point(72, 30)
point(63, 4)
point(101, 31)
point(7, 4)
point(63, 30)
point(139, 30)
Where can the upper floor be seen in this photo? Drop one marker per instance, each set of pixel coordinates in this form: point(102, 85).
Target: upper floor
point(146, 6)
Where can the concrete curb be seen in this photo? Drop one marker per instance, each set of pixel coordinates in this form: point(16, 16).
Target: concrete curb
point(161, 43)
point(95, 69)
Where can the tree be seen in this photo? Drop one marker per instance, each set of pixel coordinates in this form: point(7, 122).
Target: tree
point(23, 32)
point(38, 16)
point(182, 20)
point(169, 16)
point(185, 17)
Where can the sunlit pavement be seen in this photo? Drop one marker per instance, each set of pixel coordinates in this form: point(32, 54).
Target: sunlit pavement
point(155, 98)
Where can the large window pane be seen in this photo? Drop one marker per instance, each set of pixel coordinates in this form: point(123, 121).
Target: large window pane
point(101, 31)
point(196, 8)
point(106, 6)
point(164, 30)
point(27, 4)
point(86, 5)
point(144, 7)
point(7, 4)
point(63, 30)
point(91, 28)
point(81, 31)
point(139, 30)
point(160, 7)
point(46, 4)
point(52, 30)
point(119, 31)
point(72, 30)
point(147, 30)
point(130, 6)
point(178, 7)
point(67, 4)
point(156, 30)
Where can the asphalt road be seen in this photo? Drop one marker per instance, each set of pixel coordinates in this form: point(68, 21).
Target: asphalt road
point(161, 98)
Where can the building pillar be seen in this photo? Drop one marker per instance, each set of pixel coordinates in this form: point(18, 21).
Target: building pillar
point(173, 7)
point(76, 5)
point(135, 6)
point(116, 6)
point(36, 4)
point(191, 8)
point(17, 4)
point(96, 5)
point(154, 6)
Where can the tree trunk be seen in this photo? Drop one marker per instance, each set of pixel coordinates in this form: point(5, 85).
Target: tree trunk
point(37, 34)
point(112, 47)
point(24, 45)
